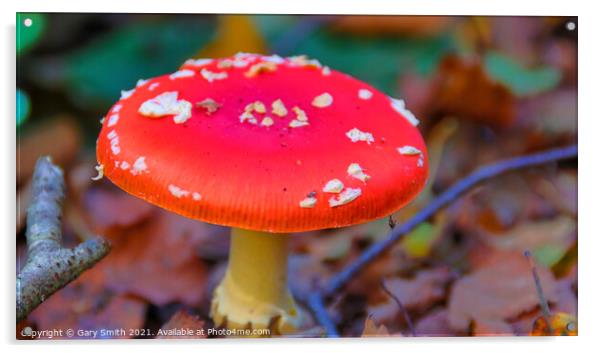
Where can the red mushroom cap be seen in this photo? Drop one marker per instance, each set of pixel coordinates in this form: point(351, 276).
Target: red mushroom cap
point(264, 143)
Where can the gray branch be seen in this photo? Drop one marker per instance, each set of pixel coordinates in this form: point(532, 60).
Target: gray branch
point(317, 300)
point(49, 266)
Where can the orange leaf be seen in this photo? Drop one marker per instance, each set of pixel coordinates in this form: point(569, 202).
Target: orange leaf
point(371, 329)
point(462, 88)
point(182, 325)
point(561, 324)
point(418, 26)
point(59, 138)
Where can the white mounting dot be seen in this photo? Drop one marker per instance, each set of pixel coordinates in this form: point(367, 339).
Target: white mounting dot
point(571, 26)
point(27, 22)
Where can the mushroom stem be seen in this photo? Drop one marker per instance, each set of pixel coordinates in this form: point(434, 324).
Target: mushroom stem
point(254, 292)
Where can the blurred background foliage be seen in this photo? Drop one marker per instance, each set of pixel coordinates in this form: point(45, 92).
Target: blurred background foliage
point(485, 88)
point(88, 59)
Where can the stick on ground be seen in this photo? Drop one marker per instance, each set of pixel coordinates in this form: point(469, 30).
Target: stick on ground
point(49, 266)
point(318, 300)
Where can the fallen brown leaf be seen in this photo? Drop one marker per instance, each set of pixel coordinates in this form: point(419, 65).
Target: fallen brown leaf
point(561, 191)
point(485, 327)
point(85, 304)
point(418, 26)
point(417, 293)
point(560, 324)
point(434, 324)
point(157, 260)
point(519, 37)
point(108, 209)
point(558, 233)
point(566, 303)
point(462, 88)
point(182, 325)
point(550, 118)
point(500, 289)
point(562, 53)
point(371, 329)
point(59, 138)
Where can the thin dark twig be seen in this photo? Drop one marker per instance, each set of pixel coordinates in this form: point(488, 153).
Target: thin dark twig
point(402, 308)
point(543, 302)
point(317, 306)
point(317, 300)
point(453, 193)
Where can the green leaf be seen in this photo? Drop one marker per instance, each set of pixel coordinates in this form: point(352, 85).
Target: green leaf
point(377, 60)
point(27, 37)
point(521, 80)
point(273, 26)
point(23, 107)
point(418, 243)
point(549, 254)
point(94, 75)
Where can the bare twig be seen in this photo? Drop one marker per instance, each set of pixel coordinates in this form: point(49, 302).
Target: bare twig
point(338, 281)
point(402, 308)
point(315, 301)
point(543, 302)
point(49, 266)
point(450, 195)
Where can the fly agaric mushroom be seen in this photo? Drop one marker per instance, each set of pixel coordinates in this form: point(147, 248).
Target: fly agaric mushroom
point(268, 146)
